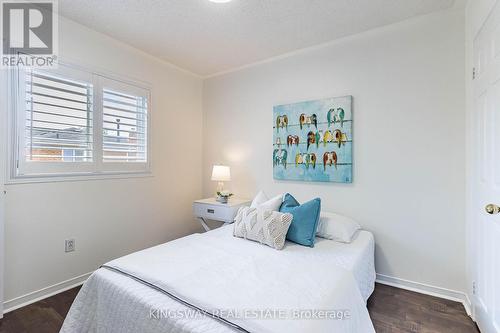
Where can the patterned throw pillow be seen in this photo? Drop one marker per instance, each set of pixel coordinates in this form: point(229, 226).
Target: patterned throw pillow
point(264, 226)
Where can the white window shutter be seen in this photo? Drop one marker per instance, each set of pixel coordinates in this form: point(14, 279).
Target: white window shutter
point(75, 123)
point(124, 127)
point(58, 119)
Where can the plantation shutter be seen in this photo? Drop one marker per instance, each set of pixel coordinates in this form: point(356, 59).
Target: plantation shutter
point(72, 122)
point(124, 127)
point(58, 118)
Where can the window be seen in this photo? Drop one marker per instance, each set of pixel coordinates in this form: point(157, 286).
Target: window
point(72, 122)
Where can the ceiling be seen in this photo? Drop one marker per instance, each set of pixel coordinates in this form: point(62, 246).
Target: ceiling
point(207, 38)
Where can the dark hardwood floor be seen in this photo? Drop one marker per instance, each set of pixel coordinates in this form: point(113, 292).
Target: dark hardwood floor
point(391, 309)
point(396, 310)
point(45, 316)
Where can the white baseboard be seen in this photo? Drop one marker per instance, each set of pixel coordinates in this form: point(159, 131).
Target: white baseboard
point(426, 289)
point(38, 295)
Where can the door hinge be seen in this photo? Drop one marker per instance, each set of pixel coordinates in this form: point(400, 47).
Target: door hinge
point(474, 73)
point(474, 287)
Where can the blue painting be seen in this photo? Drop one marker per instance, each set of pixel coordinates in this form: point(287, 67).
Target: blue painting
point(312, 140)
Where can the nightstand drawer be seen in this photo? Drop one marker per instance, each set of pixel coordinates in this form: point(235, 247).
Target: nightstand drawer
point(213, 212)
point(210, 209)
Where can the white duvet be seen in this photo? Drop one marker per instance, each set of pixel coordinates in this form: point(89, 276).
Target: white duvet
point(214, 282)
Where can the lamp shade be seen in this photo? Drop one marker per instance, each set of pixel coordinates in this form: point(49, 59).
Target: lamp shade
point(221, 173)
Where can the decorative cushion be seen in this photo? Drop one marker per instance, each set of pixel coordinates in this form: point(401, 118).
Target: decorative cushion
point(305, 219)
point(262, 201)
point(337, 227)
point(264, 226)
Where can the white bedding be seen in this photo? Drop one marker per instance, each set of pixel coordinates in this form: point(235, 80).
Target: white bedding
point(214, 271)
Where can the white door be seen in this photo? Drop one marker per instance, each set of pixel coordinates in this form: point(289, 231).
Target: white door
point(3, 173)
point(2, 223)
point(486, 173)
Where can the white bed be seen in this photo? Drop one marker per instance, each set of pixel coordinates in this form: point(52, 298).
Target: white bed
point(155, 290)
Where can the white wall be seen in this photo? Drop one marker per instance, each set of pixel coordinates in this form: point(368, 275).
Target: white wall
point(409, 137)
point(109, 218)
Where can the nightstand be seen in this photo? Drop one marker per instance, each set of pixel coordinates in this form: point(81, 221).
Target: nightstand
point(210, 209)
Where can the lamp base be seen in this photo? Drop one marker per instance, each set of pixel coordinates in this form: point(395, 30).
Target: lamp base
point(220, 187)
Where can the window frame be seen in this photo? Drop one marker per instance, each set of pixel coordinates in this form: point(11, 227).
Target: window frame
point(22, 171)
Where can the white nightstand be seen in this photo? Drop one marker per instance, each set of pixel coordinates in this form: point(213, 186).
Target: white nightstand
point(210, 209)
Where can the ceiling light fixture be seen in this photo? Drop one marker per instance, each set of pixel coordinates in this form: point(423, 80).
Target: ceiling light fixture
point(220, 1)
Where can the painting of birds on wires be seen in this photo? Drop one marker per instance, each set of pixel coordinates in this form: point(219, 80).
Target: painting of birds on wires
point(312, 140)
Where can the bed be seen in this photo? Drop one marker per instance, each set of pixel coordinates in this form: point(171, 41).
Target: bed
point(214, 282)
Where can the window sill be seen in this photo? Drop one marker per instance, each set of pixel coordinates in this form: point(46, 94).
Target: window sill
point(77, 177)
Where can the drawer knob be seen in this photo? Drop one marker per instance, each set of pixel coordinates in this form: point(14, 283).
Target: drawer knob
point(211, 211)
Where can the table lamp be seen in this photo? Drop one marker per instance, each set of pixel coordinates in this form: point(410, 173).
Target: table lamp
point(221, 174)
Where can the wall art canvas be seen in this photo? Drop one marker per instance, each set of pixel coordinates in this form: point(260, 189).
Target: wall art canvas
point(312, 140)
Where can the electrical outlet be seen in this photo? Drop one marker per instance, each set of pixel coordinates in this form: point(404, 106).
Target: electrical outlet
point(69, 245)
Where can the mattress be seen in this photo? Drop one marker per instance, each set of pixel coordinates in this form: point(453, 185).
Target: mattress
point(357, 257)
point(112, 302)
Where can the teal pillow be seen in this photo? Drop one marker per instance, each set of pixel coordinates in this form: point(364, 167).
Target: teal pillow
point(305, 219)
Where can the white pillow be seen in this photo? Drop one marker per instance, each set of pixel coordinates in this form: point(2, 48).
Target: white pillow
point(261, 197)
point(337, 227)
point(261, 201)
point(263, 226)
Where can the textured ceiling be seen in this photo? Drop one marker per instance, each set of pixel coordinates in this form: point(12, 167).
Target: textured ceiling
point(206, 38)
